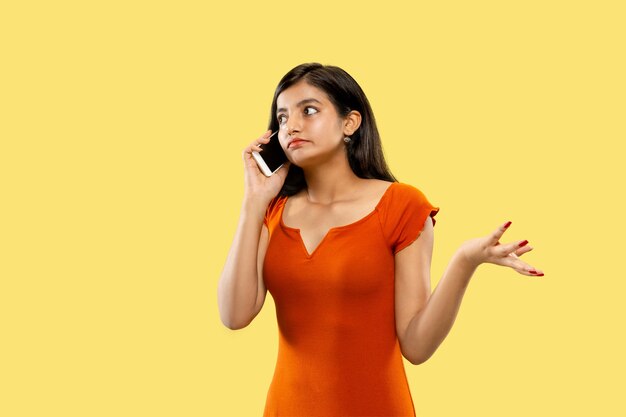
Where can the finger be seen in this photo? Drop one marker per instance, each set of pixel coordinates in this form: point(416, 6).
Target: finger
point(531, 271)
point(521, 267)
point(247, 155)
point(256, 144)
point(516, 254)
point(524, 268)
point(260, 141)
point(523, 250)
point(247, 152)
point(266, 136)
point(249, 160)
point(497, 234)
point(513, 247)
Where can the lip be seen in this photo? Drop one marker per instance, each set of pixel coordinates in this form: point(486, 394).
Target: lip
point(295, 142)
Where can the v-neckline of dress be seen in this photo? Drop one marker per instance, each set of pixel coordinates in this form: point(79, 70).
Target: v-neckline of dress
point(332, 229)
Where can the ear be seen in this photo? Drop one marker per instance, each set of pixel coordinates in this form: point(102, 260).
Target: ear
point(351, 122)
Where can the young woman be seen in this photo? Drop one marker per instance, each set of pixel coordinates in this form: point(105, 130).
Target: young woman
point(345, 250)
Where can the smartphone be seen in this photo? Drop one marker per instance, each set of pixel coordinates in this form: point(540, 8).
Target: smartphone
point(271, 157)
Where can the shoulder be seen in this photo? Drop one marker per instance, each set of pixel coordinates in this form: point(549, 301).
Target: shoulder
point(405, 201)
point(273, 210)
point(275, 202)
point(403, 192)
point(404, 215)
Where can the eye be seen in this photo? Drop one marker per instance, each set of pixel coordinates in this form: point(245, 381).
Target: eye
point(281, 117)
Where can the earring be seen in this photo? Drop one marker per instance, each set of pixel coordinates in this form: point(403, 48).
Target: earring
point(347, 139)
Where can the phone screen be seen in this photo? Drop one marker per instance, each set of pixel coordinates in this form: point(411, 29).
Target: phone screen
point(273, 154)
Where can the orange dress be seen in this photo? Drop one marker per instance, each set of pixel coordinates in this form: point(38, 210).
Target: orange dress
point(338, 352)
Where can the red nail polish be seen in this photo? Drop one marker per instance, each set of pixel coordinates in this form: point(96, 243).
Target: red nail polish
point(522, 244)
point(507, 225)
point(532, 271)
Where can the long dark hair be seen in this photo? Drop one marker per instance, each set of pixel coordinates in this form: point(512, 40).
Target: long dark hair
point(365, 152)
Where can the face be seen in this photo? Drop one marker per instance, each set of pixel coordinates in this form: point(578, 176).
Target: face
point(305, 112)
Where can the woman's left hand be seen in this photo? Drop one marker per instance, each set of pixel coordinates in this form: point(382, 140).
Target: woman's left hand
point(489, 250)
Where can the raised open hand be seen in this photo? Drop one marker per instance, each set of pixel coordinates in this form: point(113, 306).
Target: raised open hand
point(489, 250)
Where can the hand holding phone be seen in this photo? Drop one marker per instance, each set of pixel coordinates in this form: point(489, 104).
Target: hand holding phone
point(260, 188)
point(271, 157)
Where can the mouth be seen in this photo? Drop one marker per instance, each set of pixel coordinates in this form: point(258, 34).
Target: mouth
point(296, 142)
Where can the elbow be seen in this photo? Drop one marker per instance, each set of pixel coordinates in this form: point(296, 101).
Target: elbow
point(418, 361)
point(233, 325)
point(234, 320)
point(415, 358)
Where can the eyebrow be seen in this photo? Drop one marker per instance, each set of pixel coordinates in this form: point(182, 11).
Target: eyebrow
point(300, 104)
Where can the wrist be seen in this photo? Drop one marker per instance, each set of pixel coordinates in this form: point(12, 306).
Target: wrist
point(463, 260)
point(254, 206)
point(462, 268)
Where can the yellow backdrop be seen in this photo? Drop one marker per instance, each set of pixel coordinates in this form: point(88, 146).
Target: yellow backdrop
point(122, 125)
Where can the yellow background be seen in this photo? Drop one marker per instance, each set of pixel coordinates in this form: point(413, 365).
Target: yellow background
point(122, 126)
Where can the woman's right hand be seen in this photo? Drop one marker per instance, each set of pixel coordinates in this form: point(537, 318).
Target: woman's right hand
point(257, 185)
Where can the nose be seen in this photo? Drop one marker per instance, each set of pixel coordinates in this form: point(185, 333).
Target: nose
point(293, 125)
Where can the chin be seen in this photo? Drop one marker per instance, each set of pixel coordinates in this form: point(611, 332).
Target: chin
point(303, 162)
point(298, 160)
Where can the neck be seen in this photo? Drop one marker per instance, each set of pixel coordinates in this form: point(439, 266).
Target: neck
point(331, 181)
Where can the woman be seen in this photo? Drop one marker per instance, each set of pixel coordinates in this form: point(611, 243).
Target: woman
point(345, 250)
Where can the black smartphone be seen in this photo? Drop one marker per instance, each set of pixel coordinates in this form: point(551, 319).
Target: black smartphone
point(271, 157)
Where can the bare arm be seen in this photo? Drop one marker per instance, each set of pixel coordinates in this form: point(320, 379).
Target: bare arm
point(430, 326)
point(239, 295)
point(241, 291)
point(425, 321)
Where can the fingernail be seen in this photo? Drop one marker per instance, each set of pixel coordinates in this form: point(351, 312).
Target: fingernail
point(507, 224)
point(522, 243)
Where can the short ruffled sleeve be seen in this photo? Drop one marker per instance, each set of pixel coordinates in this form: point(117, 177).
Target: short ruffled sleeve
point(404, 216)
point(271, 219)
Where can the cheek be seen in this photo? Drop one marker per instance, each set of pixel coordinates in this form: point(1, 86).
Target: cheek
point(321, 124)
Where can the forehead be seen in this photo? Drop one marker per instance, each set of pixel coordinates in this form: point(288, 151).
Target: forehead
point(298, 92)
